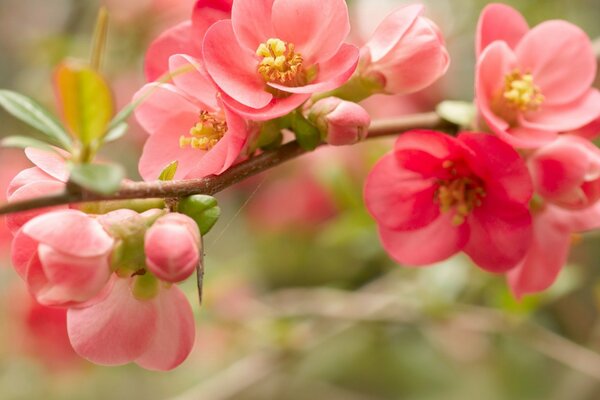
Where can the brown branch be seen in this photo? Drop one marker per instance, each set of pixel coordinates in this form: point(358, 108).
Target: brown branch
point(214, 184)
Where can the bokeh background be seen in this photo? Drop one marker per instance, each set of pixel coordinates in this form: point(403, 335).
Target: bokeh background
point(300, 300)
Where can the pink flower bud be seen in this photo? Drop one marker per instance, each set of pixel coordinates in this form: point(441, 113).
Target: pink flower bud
point(567, 172)
point(340, 122)
point(408, 50)
point(172, 247)
point(63, 257)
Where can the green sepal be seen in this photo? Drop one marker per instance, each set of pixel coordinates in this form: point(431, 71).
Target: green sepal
point(201, 208)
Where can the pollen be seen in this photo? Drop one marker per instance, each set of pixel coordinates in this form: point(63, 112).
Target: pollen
point(280, 63)
point(521, 93)
point(461, 195)
point(206, 133)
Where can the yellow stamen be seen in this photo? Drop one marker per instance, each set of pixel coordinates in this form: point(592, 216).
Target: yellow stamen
point(280, 63)
point(459, 194)
point(521, 93)
point(206, 133)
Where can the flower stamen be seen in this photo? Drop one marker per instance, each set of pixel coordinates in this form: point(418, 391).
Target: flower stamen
point(206, 133)
point(280, 63)
point(521, 93)
point(461, 194)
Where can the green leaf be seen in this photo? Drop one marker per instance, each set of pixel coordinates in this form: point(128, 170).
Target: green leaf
point(23, 142)
point(201, 208)
point(461, 113)
point(116, 133)
point(168, 173)
point(307, 134)
point(99, 178)
point(85, 99)
point(36, 116)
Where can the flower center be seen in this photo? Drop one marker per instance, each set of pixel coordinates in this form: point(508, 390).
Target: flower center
point(461, 194)
point(206, 133)
point(521, 93)
point(280, 63)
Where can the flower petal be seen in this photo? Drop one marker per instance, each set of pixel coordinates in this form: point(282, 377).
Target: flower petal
point(32, 190)
point(116, 330)
point(275, 109)
point(500, 22)
point(175, 332)
point(49, 162)
point(195, 83)
point(252, 22)
point(205, 14)
point(25, 177)
point(23, 249)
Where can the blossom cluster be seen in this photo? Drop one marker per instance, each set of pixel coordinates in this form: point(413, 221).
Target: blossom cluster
point(512, 194)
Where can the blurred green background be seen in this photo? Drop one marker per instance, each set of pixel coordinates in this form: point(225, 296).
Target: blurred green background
point(300, 300)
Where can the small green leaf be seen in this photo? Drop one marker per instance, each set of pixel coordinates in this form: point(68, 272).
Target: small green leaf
point(100, 178)
point(201, 208)
point(461, 113)
point(168, 173)
point(36, 116)
point(85, 100)
point(116, 133)
point(307, 134)
point(23, 142)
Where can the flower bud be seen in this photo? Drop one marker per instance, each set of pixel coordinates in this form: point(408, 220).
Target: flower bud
point(408, 50)
point(172, 247)
point(340, 122)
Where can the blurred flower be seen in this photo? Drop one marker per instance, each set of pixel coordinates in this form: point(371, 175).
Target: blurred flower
point(435, 195)
point(63, 257)
point(172, 246)
point(566, 172)
point(187, 123)
point(119, 327)
point(297, 48)
point(533, 84)
point(406, 53)
point(340, 122)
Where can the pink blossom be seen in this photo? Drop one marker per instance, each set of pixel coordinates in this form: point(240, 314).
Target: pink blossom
point(273, 54)
point(533, 84)
point(184, 38)
point(48, 176)
point(340, 122)
point(435, 195)
point(63, 256)
point(188, 123)
point(119, 327)
point(553, 229)
point(172, 246)
point(566, 172)
point(406, 53)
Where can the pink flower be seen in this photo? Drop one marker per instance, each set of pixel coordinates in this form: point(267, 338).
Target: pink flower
point(172, 246)
point(566, 172)
point(273, 54)
point(435, 195)
point(63, 256)
point(406, 53)
point(533, 84)
point(184, 38)
point(48, 176)
point(340, 122)
point(553, 229)
point(188, 123)
point(119, 327)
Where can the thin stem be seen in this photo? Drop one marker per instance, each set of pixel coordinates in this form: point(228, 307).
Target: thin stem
point(214, 184)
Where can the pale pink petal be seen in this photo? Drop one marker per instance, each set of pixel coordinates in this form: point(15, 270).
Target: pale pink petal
point(163, 148)
point(275, 109)
point(22, 251)
point(545, 257)
point(252, 22)
point(25, 177)
point(565, 117)
point(398, 198)
point(333, 73)
point(500, 22)
point(196, 82)
point(500, 235)
point(561, 59)
point(175, 332)
point(116, 330)
point(232, 67)
point(317, 28)
point(164, 107)
point(206, 13)
point(392, 29)
point(71, 232)
point(175, 40)
point(524, 137)
point(418, 247)
point(32, 190)
point(49, 162)
point(432, 142)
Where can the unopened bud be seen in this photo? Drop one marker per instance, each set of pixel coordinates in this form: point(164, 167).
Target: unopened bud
point(340, 122)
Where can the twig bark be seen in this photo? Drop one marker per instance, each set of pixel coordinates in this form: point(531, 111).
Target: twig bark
point(214, 184)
